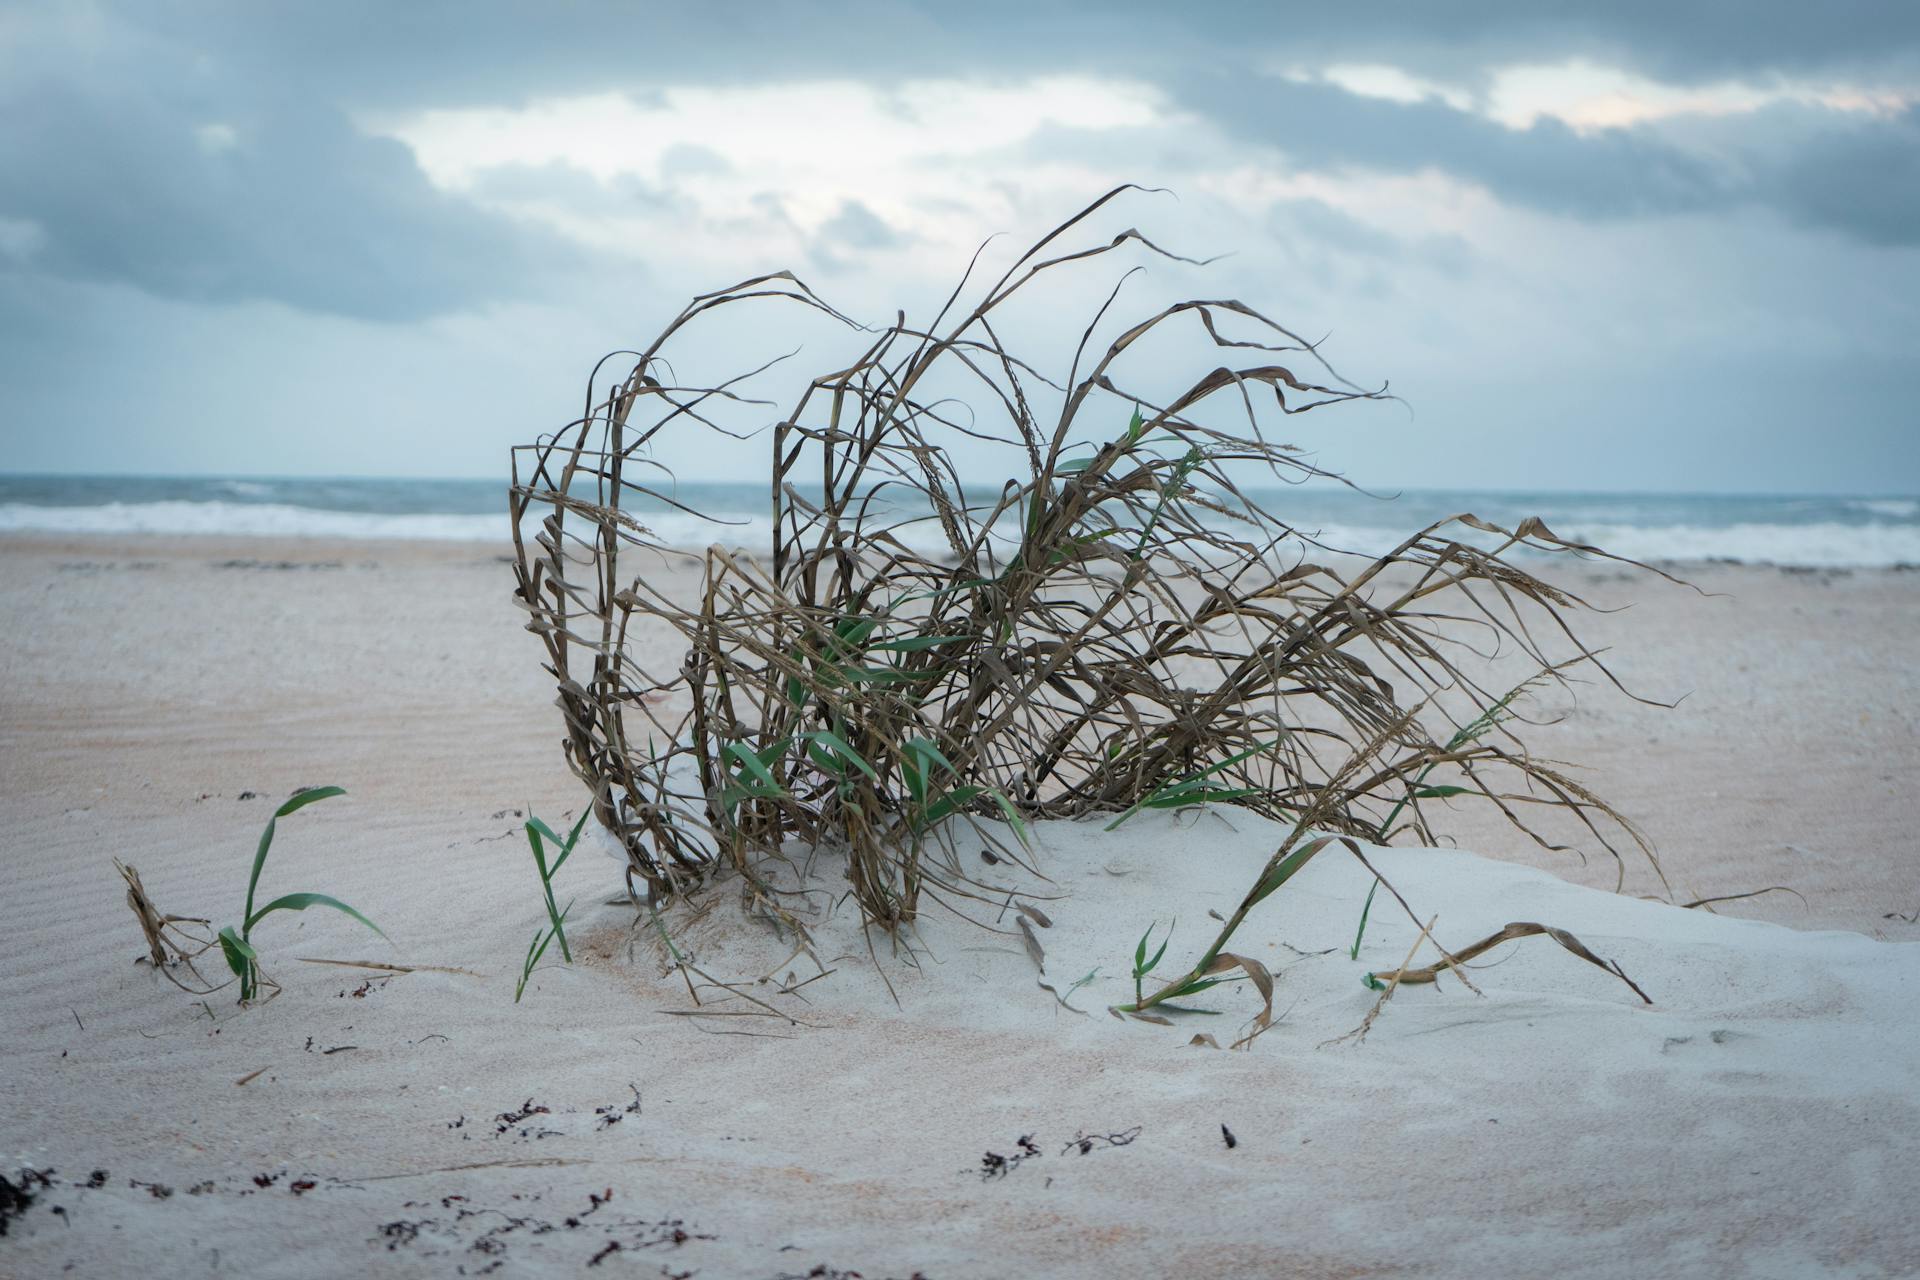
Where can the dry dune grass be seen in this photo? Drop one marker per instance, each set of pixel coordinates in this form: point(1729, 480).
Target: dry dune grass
point(1121, 627)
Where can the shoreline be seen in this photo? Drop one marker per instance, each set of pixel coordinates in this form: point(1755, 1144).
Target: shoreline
point(298, 547)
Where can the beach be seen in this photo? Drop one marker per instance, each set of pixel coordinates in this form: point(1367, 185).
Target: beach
point(1753, 1120)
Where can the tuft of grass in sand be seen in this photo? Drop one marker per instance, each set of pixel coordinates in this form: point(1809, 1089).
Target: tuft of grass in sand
point(236, 944)
point(1117, 626)
point(539, 836)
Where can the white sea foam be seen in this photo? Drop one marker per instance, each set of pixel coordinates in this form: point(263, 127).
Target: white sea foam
point(1813, 545)
point(249, 519)
point(244, 488)
point(1826, 545)
point(1889, 539)
point(1893, 508)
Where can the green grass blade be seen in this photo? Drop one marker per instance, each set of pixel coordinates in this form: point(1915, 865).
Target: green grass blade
point(1354, 953)
point(949, 804)
point(307, 797)
point(240, 955)
point(1186, 798)
point(1162, 797)
point(298, 802)
point(1288, 868)
point(755, 766)
point(534, 829)
point(565, 846)
point(301, 901)
point(839, 746)
point(927, 748)
point(1010, 813)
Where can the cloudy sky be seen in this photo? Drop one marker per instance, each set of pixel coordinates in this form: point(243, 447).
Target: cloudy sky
point(1608, 246)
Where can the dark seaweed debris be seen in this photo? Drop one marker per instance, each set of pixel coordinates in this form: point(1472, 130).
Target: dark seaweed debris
point(16, 1196)
point(994, 1165)
point(489, 1232)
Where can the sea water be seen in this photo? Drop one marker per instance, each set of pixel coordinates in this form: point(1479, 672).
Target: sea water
point(1782, 529)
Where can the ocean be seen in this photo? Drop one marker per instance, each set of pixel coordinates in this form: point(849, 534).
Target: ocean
point(1804, 531)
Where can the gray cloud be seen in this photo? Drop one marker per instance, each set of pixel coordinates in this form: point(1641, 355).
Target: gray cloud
point(1857, 176)
point(455, 51)
point(208, 187)
point(122, 214)
point(1863, 180)
point(855, 226)
point(1338, 250)
point(103, 177)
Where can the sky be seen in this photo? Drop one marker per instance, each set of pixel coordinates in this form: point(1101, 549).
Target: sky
point(1619, 246)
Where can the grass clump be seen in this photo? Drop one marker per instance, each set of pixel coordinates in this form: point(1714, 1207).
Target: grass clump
point(236, 943)
point(539, 836)
point(1118, 626)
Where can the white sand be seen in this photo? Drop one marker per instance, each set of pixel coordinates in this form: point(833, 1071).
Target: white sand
point(1757, 1120)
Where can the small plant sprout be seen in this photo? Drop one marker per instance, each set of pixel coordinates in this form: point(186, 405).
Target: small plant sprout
point(1353, 953)
point(539, 835)
point(1143, 966)
point(237, 944)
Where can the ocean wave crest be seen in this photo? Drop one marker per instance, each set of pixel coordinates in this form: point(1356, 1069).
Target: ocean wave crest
point(250, 519)
point(1878, 542)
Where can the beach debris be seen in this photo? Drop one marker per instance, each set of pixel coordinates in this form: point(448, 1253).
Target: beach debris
point(1519, 929)
point(463, 1226)
point(1359, 1034)
point(613, 1113)
point(1085, 1142)
point(391, 968)
point(995, 1165)
point(16, 1193)
point(167, 943)
point(1262, 981)
point(526, 1111)
point(1707, 903)
point(1034, 914)
point(594, 1205)
point(1035, 952)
